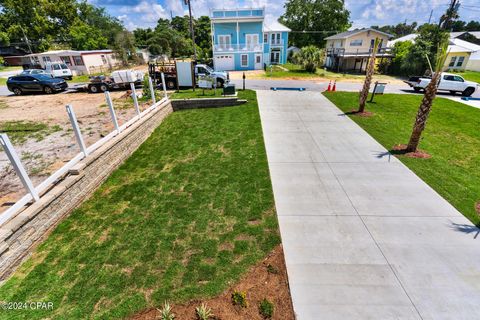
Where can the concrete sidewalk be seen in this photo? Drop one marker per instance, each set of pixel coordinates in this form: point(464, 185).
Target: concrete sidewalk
point(364, 237)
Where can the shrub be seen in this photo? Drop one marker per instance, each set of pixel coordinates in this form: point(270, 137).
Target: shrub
point(272, 269)
point(310, 58)
point(240, 299)
point(166, 312)
point(203, 312)
point(266, 308)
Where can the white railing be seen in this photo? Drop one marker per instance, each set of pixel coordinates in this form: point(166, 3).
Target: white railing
point(237, 47)
point(34, 193)
point(237, 13)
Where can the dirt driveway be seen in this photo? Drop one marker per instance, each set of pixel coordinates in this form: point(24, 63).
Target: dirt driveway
point(42, 135)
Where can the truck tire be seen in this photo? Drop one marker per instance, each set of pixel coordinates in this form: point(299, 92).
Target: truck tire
point(170, 84)
point(93, 88)
point(468, 92)
point(103, 87)
point(417, 89)
point(220, 83)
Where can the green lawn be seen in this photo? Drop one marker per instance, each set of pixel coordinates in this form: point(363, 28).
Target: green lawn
point(184, 217)
point(11, 68)
point(452, 138)
point(3, 81)
point(470, 75)
point(296, 71)
point(198, 93)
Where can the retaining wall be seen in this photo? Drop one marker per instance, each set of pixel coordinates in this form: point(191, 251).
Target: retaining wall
point(28, 228)
point(185, 104)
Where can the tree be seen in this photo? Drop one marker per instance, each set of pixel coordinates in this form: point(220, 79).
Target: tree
point(400, 52)
point(429, 39)
point(310, 58)
point(368, 77)
point(427, 101)
point(400, 30)
point(329, 16)
point(85, 37)
point(125, 47)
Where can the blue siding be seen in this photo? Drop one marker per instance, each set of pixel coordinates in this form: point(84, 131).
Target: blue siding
point(245, 27)
point(225, 29)
point(251, 61)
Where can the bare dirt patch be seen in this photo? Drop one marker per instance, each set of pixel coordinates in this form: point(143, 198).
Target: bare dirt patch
point(364, 114)
point(41, 157)
point(401, 149)
point(268, 279)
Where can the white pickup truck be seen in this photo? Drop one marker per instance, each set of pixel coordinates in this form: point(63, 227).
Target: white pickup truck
point(448, 82)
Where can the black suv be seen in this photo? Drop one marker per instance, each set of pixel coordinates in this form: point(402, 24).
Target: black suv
point(35, 83)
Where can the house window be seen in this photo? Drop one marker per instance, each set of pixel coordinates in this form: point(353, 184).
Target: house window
point(356, 43)
point(78, 60)
point(104, 60)
point(66, 60)
point(252, 41)
point(244, 60)
point(276, 38)
point(46, 59)
point(224, 41)
point(452, 62)
point(265, 38)
point(460, 61)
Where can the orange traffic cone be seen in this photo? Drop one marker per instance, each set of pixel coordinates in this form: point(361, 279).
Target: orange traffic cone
point(334, 86)
point(329, 86)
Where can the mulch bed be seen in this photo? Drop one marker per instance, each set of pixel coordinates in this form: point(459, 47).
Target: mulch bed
point(268, 279)
point(400, 149)
point(364, 114)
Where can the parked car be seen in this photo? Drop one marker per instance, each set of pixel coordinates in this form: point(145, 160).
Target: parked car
point(59, 70)
point(448, 82)
point(35, 83)
point(33, 71)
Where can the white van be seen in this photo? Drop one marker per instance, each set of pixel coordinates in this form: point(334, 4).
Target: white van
point(58, 70)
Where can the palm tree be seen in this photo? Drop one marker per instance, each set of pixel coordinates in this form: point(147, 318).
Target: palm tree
point(427, 101)
point(368, 78)
point(310, 58)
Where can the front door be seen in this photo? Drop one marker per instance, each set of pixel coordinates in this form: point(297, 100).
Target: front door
point(275, 57)
point(258, 61)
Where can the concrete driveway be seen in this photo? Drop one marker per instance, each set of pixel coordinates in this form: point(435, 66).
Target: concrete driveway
point(344, 86)
point(363, 236)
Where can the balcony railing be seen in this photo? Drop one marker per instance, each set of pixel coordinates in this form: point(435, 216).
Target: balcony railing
point(276, 42)
point(236, 47)
point(237, 13)
point(333, 52)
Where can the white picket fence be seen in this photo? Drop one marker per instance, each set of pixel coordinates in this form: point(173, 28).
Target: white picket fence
point(33, 193)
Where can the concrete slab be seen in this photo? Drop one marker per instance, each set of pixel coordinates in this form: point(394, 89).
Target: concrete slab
point(363, 236)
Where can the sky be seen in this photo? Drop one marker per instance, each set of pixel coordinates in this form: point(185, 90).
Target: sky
point(363, 13)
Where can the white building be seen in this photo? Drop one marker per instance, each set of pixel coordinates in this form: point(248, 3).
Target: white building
point(80, 62)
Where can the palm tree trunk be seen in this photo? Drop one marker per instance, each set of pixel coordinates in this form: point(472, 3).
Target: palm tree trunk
point(368, 79)
point(423, 112)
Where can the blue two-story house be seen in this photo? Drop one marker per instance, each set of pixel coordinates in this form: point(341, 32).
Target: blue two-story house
point(242, 40)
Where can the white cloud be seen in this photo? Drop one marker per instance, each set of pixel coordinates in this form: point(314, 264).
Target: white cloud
point(149, 11)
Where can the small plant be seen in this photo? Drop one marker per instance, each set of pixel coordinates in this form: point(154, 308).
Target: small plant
point(266, 308)
point(166, 312)
point(203, 312)
point(239, 298)
point(272, 269)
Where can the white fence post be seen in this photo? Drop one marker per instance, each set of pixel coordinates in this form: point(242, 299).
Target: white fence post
point(135, 100)
point(152, 91)
point(112, 111)
point(76, 129)
point(17, 165)
point(164, 86)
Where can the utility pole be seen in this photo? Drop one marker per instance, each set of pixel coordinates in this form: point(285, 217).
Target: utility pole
point(26, 40)
point(430, 19)
point(451, 13)
point(187, 2)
